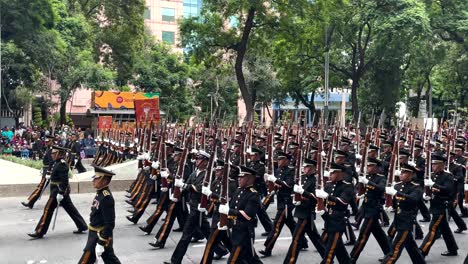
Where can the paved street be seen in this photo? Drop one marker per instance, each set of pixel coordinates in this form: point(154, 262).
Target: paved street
point(131, 246)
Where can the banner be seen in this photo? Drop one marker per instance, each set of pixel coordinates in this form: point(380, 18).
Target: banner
point(147, 110)
point(118, 100)
point(105, 122)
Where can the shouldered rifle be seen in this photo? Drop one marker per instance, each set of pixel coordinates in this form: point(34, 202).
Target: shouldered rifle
point(297, 176)
point(208, 176)
point(224, 197)
point(180, 172)
point(391, 170)
point(320, 183)
point(363, 169)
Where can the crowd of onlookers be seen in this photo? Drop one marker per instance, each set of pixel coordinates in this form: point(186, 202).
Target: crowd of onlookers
point(29, 142)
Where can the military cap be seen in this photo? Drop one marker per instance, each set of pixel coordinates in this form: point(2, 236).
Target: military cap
point(438, 159)
point(373, 147)
point(237, 142)
point(283, 155)
point(308, 162)
point(254, 150)
point(402, 139)
point(293, 145)
point(101, 172)
point(373, 161)
point(244, 171)
point(438, 141)
point(57, 149)
point(416, 146)
point(169, 143)
point(260, 137)
point(203, 155)
point(178, 150)
point(387, 143)
point(278, 135)
point(340, 153)
point(404, 152)
point(407, 167)
point(459, 147)
point(279, 140)
point(219, 164)
point(336, 167)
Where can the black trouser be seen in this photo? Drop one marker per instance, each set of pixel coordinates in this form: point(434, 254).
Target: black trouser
point(416, 230)
point(264, 219)
point(143, 201)
point(461, 197)
point(195, 221)
point(36, 194)
point(181, 212)
point(423, 209)
point(371, 225)
point(439, 223)
point(89, 252)
point(49, 209)
point(452, 211)
point(334, 246)
point(243, 253)
point(349, 233)
point(404, 239)
point(216, 236)
point(162, 207)
point(304, 226)
point(282, 217)
point(79, 166)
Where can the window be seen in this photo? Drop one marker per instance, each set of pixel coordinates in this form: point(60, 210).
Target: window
point(147, 13)
point(192, 8)
point(168, 14)
point(168, 37)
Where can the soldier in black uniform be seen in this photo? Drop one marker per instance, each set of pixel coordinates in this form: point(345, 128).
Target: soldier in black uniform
point(442, 186)
point(47, 162)
point(385, 156)
point(406, 195)
point(76, 149)
point(338, 194)
point(420, 165)
point(101, 221)
point(284, 180)
point(197, 218)
point(242, 210)
point(257, 165)
point(372, 206)
point(460, 160)
point(305, 213)
point(59, 195)
point(458, 176)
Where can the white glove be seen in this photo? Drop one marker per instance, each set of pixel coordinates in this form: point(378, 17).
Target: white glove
point(153, 177)
point(164, 189)
point(47, 176)
point(390, 190)
point(426, 197)
point(358, 168)
point(271, 177)
point(164, 173)
point(326, 173)
point(59, 198)
point(466, 187)
point(179, 183)
point(321, 193)
point(298, 189)
point(358, 156)
point(171, 197)
point(146, 156)
point(206, 191)
point(363, 180)
point(146, 168)
point(76, 160)
point(428, 182)
point(155, 165)
point(200, 209)
point(99, 250)
point(411, 163)
point(194, 151)
point(140, 157)
point(224, 209)
point(397, 172)
point(323, 153)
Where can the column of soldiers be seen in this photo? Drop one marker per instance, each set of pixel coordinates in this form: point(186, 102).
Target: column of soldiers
point(343, 170)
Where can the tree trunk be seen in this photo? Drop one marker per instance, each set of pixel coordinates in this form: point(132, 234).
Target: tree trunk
point(354, 99)
point(63, 112)
point(418, 100)
point(241, 50)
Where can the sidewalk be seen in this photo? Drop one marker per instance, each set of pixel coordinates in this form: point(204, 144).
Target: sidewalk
point(19, 180)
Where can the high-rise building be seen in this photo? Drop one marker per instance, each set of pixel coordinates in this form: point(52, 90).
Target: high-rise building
point(161, 18)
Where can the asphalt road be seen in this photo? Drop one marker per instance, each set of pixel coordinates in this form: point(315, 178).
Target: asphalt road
point(131, 246)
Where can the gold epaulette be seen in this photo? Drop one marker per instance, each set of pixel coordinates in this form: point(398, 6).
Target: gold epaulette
point(253, 190)
point(63, 161)
point(106, 193)
point(345, 182)
point(414, 183)
point(381, 175)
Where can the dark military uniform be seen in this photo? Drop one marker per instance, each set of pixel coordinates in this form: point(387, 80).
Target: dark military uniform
point(101, 226)
point(260, 186)
point(460, 160)
point(442, 190)
point(243, 208)
point(419, 179)
point(305, 213)
point(59, 185)
point(372, 208)
point(76, 149)
point(406, 200)
point(458, 176)
point(47, 162)
point(340, 195)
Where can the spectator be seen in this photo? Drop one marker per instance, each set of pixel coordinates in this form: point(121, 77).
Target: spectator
point(89, 142)
point(7, 133)
point(7, 151)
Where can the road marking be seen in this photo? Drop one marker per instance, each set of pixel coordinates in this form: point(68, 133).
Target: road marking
point(256, 241)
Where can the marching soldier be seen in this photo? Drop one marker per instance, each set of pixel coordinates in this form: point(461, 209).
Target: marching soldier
point(101, 222)
point(372, 207)
point(338, 194)
point(47, 161)
point(305, 212)
point(76, 150)
point(284, 178)
point(407, 194)
point(420, 164)
point(442, 186)
point(59, 195)
point(458, 176)
point(460, 160)
point(242, 210)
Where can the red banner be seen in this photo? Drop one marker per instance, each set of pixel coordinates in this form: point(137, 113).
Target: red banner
point(105, 122)
point(147, 110)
